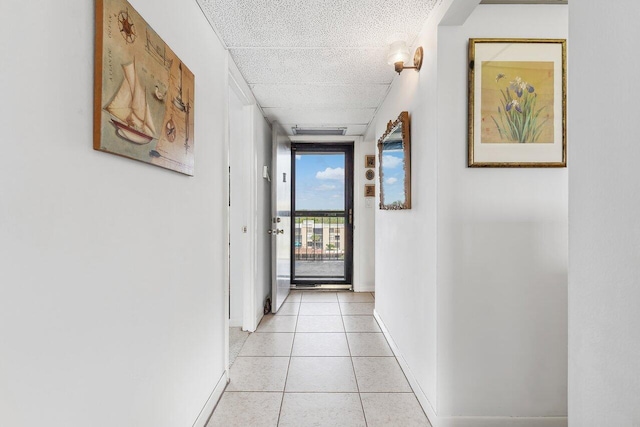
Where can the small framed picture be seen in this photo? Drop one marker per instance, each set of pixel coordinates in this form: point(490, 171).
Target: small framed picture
point(370, 161)
point(517, 103)
point(369, 190)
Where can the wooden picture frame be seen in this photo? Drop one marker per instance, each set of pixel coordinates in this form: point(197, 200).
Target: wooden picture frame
point(369, 190)
point(370, 161)
point(143, 93)
point(517, 103)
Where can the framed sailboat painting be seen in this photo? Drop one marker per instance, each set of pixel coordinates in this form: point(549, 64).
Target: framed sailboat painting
point(144, 93)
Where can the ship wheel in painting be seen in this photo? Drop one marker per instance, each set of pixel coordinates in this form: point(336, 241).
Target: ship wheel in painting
point(170, 130)
point(127, 28)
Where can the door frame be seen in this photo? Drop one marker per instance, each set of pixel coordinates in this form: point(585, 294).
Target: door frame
point(235, 83)
point(346, 147)
point(360, 148)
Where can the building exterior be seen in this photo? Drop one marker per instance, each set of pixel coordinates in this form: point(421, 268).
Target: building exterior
point(319, 238)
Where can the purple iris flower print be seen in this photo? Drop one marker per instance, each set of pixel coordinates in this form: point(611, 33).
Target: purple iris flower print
point(514, 104)
point(524, 125)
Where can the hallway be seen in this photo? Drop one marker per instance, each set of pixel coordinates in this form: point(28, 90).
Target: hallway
point(321, 361)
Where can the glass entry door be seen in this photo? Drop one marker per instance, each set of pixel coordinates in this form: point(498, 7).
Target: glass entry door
point(322, 209)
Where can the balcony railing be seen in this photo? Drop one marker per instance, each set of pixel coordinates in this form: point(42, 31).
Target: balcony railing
point(319, 238)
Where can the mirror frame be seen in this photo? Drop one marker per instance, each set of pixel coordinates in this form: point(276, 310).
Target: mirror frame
point(403, 119)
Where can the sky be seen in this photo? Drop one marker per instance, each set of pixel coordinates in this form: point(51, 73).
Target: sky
point(320, 181)
point(393, 174)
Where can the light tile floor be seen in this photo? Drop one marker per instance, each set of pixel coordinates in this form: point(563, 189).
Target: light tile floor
point(321, 361)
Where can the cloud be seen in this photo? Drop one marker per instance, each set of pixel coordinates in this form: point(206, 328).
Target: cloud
point(298, 156)
point(325, 187)
point(392, 180)
point(331, 173)
point(391, 162)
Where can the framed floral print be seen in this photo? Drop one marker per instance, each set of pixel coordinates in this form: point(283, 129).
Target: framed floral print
point(517, 103)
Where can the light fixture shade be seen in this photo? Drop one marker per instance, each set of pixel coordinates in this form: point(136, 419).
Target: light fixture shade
point(398, 52)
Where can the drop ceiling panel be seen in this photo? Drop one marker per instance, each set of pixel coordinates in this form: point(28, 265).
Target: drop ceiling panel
point(296, 66)
point(317, 62)
point(313, 23)
point(320, 116)
point(335, 96)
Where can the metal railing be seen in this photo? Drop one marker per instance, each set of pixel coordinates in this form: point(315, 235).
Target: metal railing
point(319, 236)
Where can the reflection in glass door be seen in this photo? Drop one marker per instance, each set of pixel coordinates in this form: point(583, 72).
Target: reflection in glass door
point(322, 205)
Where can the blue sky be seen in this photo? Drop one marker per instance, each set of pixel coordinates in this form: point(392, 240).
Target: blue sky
point(320, 181)
point(393, 174)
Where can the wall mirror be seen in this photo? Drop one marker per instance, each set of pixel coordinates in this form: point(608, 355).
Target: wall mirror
point(394, 150)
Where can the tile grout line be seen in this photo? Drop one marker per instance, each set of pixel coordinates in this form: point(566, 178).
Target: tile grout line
point(346, 337)
point(286, 378)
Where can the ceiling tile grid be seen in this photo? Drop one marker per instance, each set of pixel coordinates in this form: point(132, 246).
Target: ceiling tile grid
point(313, 96)
point(316, 62)
point(312, 66)
point(316, 23)
point(320, 116)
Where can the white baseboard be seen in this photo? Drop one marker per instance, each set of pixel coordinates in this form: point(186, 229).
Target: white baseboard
point(259, 317)
point(364, 288)
point(235, 323)
point(429, 410)
point(437, 421)
point(501, 422)
point(208, 407)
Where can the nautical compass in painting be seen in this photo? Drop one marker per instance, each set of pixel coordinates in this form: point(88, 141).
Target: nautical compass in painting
point(170, 130)
point(127, 27)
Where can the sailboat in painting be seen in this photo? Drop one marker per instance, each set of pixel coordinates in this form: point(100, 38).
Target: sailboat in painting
point(130, 111)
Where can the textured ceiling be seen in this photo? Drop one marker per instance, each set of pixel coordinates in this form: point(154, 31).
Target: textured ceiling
point(316, 62)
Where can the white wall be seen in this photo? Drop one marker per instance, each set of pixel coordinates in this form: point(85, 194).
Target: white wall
point(502, 249)
point(364, 209)
point(405, 241)
point(604, 232)
point(479, 264)
point(111, 271)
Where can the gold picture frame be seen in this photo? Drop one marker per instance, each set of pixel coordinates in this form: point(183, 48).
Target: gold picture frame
point(143, 93)
point(517, 103)
point(369, 190)
point(370, 161)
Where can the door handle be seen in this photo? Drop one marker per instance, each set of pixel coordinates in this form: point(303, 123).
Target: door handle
point(275, 231)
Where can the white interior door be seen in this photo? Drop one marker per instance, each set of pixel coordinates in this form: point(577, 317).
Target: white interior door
point(281, 221)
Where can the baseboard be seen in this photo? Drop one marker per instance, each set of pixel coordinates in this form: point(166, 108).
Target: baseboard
point(501, 422)
point(413, 382)
point(235, 323)
point(208, 407)
point(364, 288)
point(259, 317)
point(437, 421)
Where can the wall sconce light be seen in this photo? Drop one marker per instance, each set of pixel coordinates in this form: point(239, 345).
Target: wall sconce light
point(399, 55)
